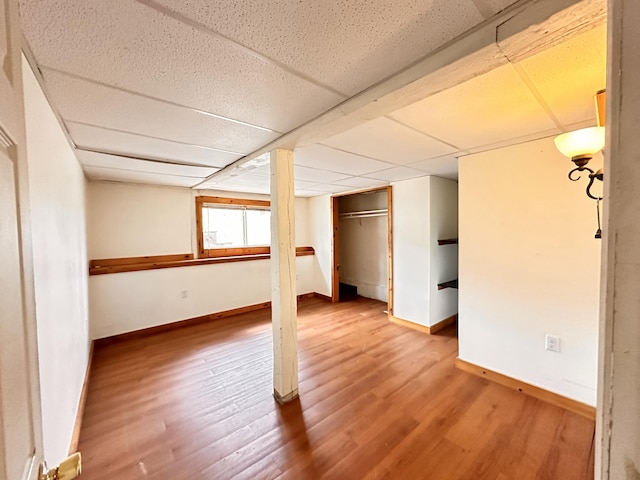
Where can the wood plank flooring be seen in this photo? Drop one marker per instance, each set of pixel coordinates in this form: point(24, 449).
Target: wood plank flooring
point(377, 401)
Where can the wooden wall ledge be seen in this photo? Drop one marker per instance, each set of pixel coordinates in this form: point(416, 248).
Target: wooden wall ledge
point(136, 264)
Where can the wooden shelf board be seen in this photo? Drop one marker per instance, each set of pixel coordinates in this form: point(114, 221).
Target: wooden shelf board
point(448, 241)
point(449, 284)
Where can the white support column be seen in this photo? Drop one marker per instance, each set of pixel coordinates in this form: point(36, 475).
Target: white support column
point(618, 420)
point(283, 278)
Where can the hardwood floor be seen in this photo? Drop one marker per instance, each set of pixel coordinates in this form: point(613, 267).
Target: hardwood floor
point(377, 401)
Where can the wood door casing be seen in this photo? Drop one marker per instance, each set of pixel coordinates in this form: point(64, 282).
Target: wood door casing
point(20, 421)
point(335, 222)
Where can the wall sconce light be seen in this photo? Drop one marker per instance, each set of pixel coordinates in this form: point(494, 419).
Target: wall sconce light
point(581, 145)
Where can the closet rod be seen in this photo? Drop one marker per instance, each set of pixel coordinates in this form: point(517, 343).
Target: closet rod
point(365, 213)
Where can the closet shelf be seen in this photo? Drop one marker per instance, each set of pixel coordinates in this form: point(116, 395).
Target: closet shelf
point(448, 241)
point(449, 284)
point(365, 213)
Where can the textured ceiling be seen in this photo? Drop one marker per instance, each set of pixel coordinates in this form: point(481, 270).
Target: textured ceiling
point(168, 92)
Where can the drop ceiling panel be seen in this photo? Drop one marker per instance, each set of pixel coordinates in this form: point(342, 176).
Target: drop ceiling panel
point(248, 179)
point(348, 45)
point(515, 141)
point(115, 175)
point(444, 166)
point(303, 185)
point(308, 193)
point(129, 45)
point(255, 183)
point(92, 159)
point(247, 182)
point(389, 141)
point(316, 175)
point(232, 187)
point(360, 182)
point(329, 188)
point(321, 156)
point(112, 141)
point(497, 5)
point(396, 174)
point(87, 102)
point(264, 170)
point(487, 109)
point(569, 74)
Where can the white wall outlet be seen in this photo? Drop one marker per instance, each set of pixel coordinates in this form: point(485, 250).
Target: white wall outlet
point(552, 343)
point(184, 293)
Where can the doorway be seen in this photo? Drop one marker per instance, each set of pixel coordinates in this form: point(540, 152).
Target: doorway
point(362, 246)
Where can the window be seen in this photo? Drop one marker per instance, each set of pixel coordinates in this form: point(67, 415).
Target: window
point(232, 226)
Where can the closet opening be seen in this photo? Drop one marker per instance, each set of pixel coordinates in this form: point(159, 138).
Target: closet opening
point(362, 246)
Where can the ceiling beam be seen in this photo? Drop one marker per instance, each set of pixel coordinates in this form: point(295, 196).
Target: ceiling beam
point(517, 32)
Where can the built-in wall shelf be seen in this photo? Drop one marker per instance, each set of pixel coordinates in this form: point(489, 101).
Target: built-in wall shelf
point(448, 241)
point(449, 284)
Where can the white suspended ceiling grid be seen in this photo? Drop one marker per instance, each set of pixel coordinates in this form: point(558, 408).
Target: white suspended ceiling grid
point(166, 92)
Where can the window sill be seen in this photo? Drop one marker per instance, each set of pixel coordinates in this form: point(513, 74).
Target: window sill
point(136, 264)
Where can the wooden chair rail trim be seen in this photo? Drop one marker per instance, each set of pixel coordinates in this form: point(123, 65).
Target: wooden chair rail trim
point(145, 332)
point(106, 266)
point(116, 262)
point(241, 251)
point(540, 393)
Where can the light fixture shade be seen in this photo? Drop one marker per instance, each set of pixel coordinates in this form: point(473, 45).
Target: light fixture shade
point(583, 142)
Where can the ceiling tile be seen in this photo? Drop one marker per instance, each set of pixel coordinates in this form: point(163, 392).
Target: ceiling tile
point(304, 185)
point(82, 101)
point(496, 5)
point(396, 174)
point(308, 193)
point(316, 175)
point(129, 45)
point(92, 159)
point(264, 170)
point(487, 109)
point(112, 141)
point(569, 74)
point(348, 45)
point(245, 179)
point(443, 166)
point(323, 157)
point(232, 187)
point(386, 140)
point(115, 175)
point(329, 188)
point(241, 183)
point(360, 182)
point(514, 141)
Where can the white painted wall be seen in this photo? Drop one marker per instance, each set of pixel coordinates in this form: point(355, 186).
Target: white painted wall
point(321, 238)
point(411, 252)
point(529, 265)
point(364, 245)
point(57, 196)
point(424, 210)
point(128, 220)
point(125, 302)
point(130, 301)
point(443, 211)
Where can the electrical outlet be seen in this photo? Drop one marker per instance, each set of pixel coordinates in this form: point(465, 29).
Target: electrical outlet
point(184, 294)
point(552, 343)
